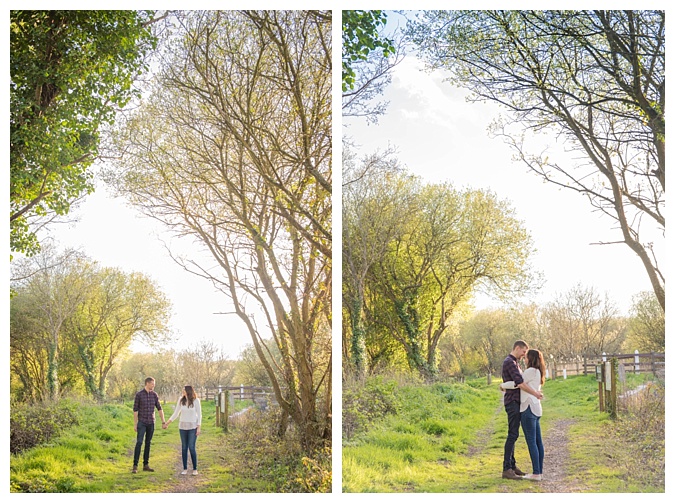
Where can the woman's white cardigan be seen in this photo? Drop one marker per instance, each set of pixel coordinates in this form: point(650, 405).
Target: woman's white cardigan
point(532, 377)
point(190, 417)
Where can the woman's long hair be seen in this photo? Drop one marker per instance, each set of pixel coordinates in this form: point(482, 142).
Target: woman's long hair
point(536, 359)
point(189, 397)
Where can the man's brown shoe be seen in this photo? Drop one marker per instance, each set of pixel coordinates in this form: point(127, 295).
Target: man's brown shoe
point(146, 468)
point(134, 469)
point(518, 471)
point(511, 475)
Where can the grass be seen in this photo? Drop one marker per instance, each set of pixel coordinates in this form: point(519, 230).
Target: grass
point(95, 456)
point(428, 443)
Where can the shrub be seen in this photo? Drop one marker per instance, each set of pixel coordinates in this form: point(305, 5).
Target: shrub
point(362, 403)
point(32, 425)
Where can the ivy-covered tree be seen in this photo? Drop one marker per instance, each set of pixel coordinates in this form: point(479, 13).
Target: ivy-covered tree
point(70, 71)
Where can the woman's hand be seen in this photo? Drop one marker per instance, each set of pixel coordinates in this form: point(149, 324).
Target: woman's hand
point(199, 430)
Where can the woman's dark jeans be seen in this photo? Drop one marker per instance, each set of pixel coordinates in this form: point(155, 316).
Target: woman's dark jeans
point(188, 440)
point(532, 432)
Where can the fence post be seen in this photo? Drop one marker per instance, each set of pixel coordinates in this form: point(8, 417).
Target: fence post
point(225, 408)
point(217, 409)
point(637, 362)
point(614, 366)
point(565, 373)
point(600, 377)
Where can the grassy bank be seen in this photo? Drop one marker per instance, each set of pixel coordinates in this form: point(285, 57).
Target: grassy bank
point(450, 438)
point(95, 455)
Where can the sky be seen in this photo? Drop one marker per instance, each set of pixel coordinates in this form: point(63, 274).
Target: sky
point(114, 234)
point(442, 137)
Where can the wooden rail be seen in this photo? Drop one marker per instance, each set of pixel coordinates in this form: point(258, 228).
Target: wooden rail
point(632, 362)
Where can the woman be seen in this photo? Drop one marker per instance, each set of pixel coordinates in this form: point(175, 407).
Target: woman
point(189, 409)
point(530, 410)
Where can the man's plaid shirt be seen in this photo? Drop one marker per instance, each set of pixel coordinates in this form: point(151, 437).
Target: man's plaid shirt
point(511, 372)
point(145, 403)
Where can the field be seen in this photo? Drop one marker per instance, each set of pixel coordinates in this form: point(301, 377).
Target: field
point(96, 456)
point(450, 438)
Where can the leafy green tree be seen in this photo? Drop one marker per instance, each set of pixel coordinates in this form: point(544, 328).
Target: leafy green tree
point(447, 245)
point(71, 320)
point(593, 79)
point(50, 291)
point(117, 309)
point(361, 36)
point(374, 204)
point(70, 72)
point(488, 332)
point(647, 324)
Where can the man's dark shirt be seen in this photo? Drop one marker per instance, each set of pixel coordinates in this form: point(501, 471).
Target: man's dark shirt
point(511, 372)
point(145, 403)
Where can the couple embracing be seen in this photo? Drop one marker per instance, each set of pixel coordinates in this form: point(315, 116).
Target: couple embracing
point(188, 408)
point(522, 401)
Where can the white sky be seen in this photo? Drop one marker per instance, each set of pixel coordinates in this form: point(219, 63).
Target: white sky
point(111, 232)
point(442, 137)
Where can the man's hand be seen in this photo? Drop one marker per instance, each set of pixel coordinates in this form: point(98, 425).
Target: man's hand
point(539, 394)
point(164, 425)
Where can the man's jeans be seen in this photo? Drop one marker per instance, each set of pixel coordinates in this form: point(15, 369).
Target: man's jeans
point(513, 414)
point(146, 430)
point(188, 440)
point(532, 432)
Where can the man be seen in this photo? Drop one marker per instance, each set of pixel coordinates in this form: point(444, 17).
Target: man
point(144, 422)
point(511, 372)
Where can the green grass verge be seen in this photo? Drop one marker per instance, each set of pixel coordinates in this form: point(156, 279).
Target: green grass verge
point(96, 456)
point(428, 444)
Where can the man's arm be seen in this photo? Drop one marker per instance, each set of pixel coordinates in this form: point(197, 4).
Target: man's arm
point(529, 389)
point(136, 420)
point(159, 408)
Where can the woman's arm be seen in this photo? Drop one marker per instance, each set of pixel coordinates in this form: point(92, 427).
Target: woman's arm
point(508, 385)
point(176, 412)
point(198, 410)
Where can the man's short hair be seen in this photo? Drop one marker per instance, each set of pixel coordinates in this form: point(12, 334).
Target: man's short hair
point(520, 344)
point(149, 379)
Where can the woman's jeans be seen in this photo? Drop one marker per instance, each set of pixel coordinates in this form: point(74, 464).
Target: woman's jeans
point(188, 440)
point(532, 432)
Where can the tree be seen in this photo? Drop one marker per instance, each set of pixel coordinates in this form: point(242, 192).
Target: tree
point(448, 245)
point(50, 295)
point(595, 79)
point(233, 148)
point(71, 320)
point(368, 57)
point(488, 333)
point(374, 204)
point(647, 324)
point(70, 71)
point(361, 36)
point(581, 322)
point(117, 309)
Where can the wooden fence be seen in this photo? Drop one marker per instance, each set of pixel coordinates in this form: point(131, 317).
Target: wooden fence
point(258, 394)
point(585, 365)
point(224, 397)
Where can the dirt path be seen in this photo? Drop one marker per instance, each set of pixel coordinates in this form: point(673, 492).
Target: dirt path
point(184, 483)
point(557, 466)
point(557, 460)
